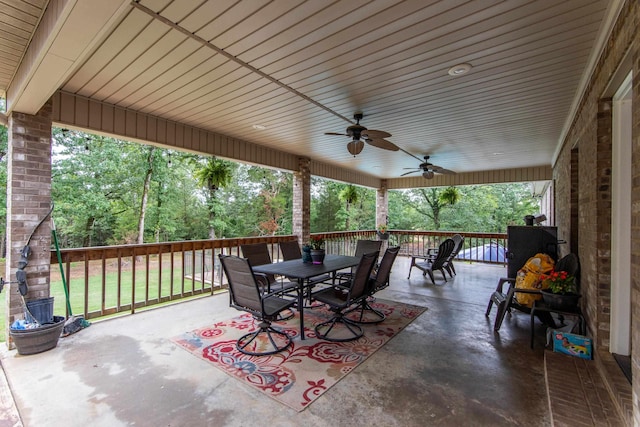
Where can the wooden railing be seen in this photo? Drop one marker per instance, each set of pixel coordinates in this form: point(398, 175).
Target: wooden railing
point(111, 280)
point(108, 280)
point(490, 245)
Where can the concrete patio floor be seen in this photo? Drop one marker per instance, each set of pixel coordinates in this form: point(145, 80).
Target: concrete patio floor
point(447, 368)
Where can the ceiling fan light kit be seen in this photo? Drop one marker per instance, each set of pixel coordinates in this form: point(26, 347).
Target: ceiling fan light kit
point(428, 174)
point(355, 147)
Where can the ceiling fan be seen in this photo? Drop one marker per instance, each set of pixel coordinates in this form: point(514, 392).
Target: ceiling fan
point(360, 134)
point(429, 170)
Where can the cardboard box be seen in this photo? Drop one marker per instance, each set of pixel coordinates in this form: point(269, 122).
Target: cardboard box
point(572, 344)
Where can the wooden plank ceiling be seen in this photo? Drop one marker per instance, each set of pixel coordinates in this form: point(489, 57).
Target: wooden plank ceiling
point(18, 21)
point(299, 69)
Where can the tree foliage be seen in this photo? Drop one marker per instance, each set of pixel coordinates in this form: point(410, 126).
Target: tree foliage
point(478, 208)
point(349, 195)
point(99, 185)
point(331, 210)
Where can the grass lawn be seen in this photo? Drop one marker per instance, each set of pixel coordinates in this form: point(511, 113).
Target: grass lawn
point(97, 299)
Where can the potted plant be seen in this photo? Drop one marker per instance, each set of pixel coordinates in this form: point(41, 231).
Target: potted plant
point(560, 291)
point(383, 234)
point(317, 249)
point(306, 253)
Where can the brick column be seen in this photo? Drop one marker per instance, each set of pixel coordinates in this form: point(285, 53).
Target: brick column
point(602, 230)
point(28, 201)
point(382, 204)
point(302, 200)
point(382, 210)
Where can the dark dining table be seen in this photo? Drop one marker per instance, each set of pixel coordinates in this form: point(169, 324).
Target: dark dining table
point(302, 272)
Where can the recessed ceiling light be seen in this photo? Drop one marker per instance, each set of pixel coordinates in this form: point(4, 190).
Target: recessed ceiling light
point(460, 69)
point(259, 127)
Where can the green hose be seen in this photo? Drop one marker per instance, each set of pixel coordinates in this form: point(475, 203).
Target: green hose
point(64, 281)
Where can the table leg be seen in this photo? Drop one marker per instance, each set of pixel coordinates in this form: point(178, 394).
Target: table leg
point(301, 306)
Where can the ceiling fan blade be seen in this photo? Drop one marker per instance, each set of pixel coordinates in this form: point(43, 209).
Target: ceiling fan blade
point(375, 134)
point(382, 143)
point(440, 169)
point(335, 133)
point(445, 171)
point(407, 173)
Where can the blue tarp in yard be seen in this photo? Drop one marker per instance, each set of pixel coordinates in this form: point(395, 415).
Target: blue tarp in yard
point(490, 252)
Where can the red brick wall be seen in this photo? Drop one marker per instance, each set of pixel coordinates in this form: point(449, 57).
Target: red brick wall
point(28, 201)
point(583, 187)
point(635, 221)
point(302, 201)
point(382, 204)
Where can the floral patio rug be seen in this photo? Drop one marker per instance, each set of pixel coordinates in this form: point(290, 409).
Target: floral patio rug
point(303, 372)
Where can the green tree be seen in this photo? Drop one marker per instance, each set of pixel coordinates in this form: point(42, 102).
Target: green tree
point(436, 199)
point(273, 202)
point(91, 187)
point(349, 195)
point(145, 193)
point(478, 208)
point(325, 204)
point(99, 185)
point(491, 208)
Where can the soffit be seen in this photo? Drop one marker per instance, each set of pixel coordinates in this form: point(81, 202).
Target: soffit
point(18, 20)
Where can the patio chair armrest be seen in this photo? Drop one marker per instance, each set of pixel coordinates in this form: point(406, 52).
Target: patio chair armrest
point(526, 291)
point(277, 292)
point(502, 281)
point(340, 278)
point(263, 281)
point(344, 286)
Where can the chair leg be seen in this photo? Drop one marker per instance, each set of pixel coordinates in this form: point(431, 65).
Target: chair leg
point(264, 327)
point(355, 330)
point(489, 307)
point(446, 270)
point(502, 311)
point(433, 280)
point(452, 268)
point(362, 308)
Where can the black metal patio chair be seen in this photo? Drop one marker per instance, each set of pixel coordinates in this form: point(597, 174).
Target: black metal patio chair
point(506, 300)
point(429, 264)
point(246, 294)
point(363, 312)
point(340, 298)
point(448, 265)
point(362, 247)
point(258, 254)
